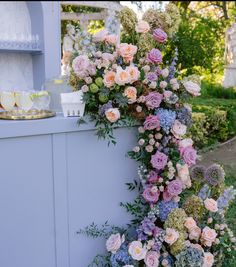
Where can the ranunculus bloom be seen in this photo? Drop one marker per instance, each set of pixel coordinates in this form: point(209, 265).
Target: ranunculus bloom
point(178, 129)
point(152, 122)
point(171, 236)
point(174, 188)
point(163, 84)
point(208, 236)
point(151, 194)
point(109, 79)
point(190, 223)
point(211, 204)
point(151, 76)
point(133, 72)
point(193, 88)
point(208, 260)
point(122, 76)
point(136, 250)
point(80, 66)
point(159, 160)
point(155, 56)
point(159, 35)
point(185, 143)
point(183, 175)
point(111, 39)
point(127, 51)
point(100, 36)
point(142, 26)
point(153, 100)
point(195, 233)
point(189, 155)
point(114, 242)
point(152, 259)
point(131, 93)
point(112, 114)
point(165, 73)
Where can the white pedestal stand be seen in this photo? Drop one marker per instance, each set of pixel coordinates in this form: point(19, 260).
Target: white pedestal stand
point(230, 76)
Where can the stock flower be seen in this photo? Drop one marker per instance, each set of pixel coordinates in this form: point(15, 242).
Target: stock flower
point(151, 194)
point(153, 100)
point(159, 160)
point(211, 204)
point(193, 88)
point(159, 35)
point(189, 155)
point(109, 79)
point(155, 56)
point(122, 76)
point(178, 129)
point(114, 242)
point(152, 122)
point(131, 93)
point(171, 236)
point(137, 251)
point(142, 26)
point(112, 114)
point(127, 51)
point(152, 259)
point(208, 236)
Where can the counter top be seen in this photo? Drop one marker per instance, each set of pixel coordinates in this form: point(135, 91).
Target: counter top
point(57, 124)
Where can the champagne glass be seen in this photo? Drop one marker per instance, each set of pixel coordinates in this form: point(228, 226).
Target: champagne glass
point(25, 101)
point(41, 100)
point(8, 100)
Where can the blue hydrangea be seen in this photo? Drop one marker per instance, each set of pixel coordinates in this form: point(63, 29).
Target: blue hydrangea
point(165, 207)
point(167, 118)
point(190, 257)
point(121, 257)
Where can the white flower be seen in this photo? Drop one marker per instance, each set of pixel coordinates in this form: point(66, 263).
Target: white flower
point(193, 88)
point(137, 251)
point(165, 72)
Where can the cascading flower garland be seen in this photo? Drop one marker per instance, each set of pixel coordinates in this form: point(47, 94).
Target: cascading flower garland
point(178, 221)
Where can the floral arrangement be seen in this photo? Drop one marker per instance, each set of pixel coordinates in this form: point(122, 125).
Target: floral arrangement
point(178, 215)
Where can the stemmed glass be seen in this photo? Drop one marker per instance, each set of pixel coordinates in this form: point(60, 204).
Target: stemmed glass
point(8, 100)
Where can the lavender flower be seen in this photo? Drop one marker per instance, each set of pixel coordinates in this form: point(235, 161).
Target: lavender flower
point(167, 118)
point(215, 174)
point(104, 108)
point(165, 207)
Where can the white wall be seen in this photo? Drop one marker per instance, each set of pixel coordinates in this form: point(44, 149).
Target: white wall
point(16, 70)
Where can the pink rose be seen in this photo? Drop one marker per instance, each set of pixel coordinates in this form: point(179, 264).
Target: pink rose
point(152, 259)
point(159, 35)
point(112, 114)
point(183, 175)
point(114, 242)
point(193, 88)
point(208, 260)
point(171, 236)
point(100, 36)
point(211, 205)
point(134, 73)
point(122, 76)
point(195, 233)
point(109, 79)
point(151, 194)
point(155, 56)
point(127, 51)
point(142, 27)
point(185, 143)
point(152, 122)
point(159, 160)
point(131, 93)
point(190, 223)
point(153, 100)
point(208, 236)
point(111, 39)
point(178, 129)
point(167, 196)
point(174, 188)
point(189, 155)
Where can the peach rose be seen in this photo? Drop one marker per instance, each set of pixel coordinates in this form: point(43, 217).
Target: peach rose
point(137, 251)
point(111, 39)
point(195, 233)
point(208, 260)
point(100, 36)
point(127, 51)
point(112, 114)
point(142, 27)
point(178, 129)
point(122, 76)
point(171, 236)
point(211, 205)
point(134, 73)
point(190, 223)
point(183, 175)
point(114, 242)
point(131, 94)
point(208, 236)
point(109, 79)
point(193, 88)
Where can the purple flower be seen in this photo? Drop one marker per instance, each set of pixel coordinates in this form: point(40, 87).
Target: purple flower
point(146, 228)
point(189, 155)
point(159, 35)
point(159, 160)
point(214, 175)
point(204, 192)
point(151, 76)
point(153, 100)
point(152, 122)
point(155, 56)
point(165, 207)
point(151, 194)
point(175, 187)
point(104, 108)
